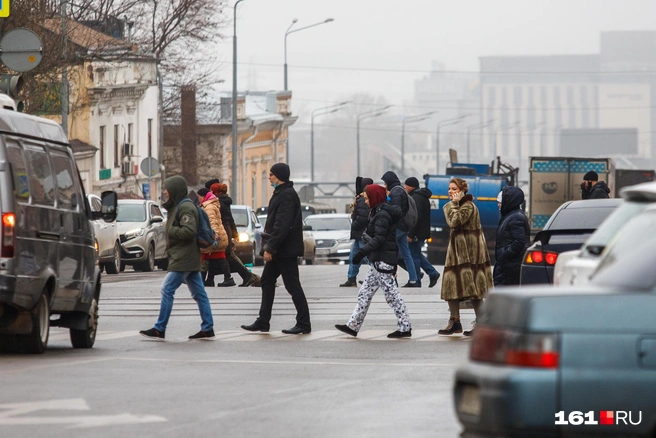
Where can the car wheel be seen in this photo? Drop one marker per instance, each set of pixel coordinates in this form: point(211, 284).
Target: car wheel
point(115, 267)
point(122, 267)
point(87, 337)
point(37, 341)
point(149, 264)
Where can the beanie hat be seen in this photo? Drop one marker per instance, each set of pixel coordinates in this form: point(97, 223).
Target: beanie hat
point(362, 182)
point(591, 176)
point(209, 183)
point(281, 171)
point(412, 182)
point(202, 191)
point(376, 194)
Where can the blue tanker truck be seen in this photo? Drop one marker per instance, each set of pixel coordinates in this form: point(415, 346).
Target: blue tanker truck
point(485, 183)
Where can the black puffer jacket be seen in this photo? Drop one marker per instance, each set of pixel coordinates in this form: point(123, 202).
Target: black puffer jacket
point(397, 196)
point(599, 191)
point(359, 218)
point(382, 230)
point(226, 217)
point(284, 224)
point(421, 230)
point(513, 237)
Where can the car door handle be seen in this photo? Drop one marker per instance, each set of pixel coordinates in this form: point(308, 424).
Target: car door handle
point(47, 235)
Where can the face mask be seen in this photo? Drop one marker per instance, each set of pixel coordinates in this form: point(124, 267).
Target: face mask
point(389, 199)
point(274, 185)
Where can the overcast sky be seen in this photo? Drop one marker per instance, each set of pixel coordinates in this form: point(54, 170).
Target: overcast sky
point(407, 35)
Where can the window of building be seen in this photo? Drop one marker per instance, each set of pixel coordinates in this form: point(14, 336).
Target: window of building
point(101, 147)
point(117, 155)
point(150, 137)
point(253, 187)
point(130, 133)
point(265, 185)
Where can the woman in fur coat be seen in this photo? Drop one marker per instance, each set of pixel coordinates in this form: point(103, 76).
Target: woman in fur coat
point(467, 270)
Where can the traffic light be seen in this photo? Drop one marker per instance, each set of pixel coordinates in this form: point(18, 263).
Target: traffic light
point(11, 85)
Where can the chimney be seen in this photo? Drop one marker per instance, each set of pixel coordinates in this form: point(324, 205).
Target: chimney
point(188, 134)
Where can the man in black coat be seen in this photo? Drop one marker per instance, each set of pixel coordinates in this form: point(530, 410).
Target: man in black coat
point(418, 234)
point(282, 245)
point(399, 197)
point(359, 220)
point(513, 237)
point(592, 188)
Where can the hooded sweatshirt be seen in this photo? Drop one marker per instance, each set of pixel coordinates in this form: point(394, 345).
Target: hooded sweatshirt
point(181, 228)
point(512, 238)
point(421, 230)
point(398, 196)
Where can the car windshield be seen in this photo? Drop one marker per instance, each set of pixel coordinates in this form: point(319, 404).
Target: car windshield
point(328, 224)
point(240, 216)
point(580, 218)
point(131, 213)
point(600, 238)
point(629, 259)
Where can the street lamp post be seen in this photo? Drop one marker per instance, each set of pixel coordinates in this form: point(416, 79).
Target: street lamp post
point(289, 30)
point(319, 112)
point(360, 118)
point(437, 138)
point(410, 119)
point(235, 180)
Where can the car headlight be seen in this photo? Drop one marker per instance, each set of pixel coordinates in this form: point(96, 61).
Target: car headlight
point(244, 237)
point(96, 245)
point(135, 233)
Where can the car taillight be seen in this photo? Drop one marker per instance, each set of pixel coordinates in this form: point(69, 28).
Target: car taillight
point(539, 257)
point(8, 225)
point(506, 347)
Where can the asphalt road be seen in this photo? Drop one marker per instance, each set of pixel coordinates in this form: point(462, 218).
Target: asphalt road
point(242, 385)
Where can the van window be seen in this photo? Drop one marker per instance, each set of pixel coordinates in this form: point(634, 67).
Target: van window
point(42, 185)
point(18, 172)
point(66, 192)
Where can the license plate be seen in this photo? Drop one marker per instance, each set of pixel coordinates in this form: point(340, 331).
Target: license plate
point(470, 401)
point(322, 251)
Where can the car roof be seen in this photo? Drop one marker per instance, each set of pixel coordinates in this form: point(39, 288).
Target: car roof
point(593, 203)
point(132, 201)
point(329, 215)
point(640, 192)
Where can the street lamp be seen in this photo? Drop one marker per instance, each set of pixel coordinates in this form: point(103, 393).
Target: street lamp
point(289, 30)
point(447, 122)
point(361, 117)
point(321, 112)
point(471, 128)
point(235, 180)
point(410, 119)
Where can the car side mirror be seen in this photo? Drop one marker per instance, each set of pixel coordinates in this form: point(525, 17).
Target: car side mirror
point(307, 227)
point(109, 208)
point(156, 219)
point(258, 225)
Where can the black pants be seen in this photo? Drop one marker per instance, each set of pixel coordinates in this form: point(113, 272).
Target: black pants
point(236, 265)
point(217, 267)
point(288, 268)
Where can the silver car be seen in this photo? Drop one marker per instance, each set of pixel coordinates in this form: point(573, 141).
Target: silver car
point(142, 231)
point(332, 235)
point(108, 242)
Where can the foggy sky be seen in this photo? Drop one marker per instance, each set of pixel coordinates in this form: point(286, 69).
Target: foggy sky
point(407, 35)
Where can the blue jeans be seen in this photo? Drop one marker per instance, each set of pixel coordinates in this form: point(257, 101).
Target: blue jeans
point(353, 270)
point(421, 262)
point(171, 283)
point(404, 253)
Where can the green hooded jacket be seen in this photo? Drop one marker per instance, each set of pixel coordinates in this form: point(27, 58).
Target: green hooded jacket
point(181, 244)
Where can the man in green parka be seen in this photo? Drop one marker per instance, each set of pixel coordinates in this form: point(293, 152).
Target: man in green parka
point(184, 261)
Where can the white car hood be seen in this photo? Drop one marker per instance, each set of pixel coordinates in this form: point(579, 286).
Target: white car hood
point(124, 227)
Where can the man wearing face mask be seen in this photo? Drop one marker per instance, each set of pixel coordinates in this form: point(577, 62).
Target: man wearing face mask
point(513, 237)
point(282, 244)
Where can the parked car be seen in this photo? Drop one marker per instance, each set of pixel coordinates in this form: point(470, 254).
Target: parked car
point(309, 245)
point(142, 230)
point(332, 232)
point(575, 267)
point(48, 259)
point(573, 361)
point(567, 229)
point(250, 229)
point(108, 242)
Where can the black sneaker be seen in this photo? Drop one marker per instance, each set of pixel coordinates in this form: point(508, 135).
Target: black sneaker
point(153, 334)
point(346, 329)
point(227, 283)
point(433, 279)
point(203, 336)
point(351, 282)
point(410, 284)
point(398, 334)
point(208, 283)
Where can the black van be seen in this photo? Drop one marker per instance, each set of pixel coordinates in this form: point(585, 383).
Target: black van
point(48, 260)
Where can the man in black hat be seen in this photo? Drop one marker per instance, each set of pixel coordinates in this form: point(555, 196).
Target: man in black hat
point(282, 244)
point(592, 188)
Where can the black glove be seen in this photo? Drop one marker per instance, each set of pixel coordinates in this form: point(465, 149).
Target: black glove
point(357, 258)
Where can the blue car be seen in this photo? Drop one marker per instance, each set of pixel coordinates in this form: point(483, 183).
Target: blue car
point(569, 362)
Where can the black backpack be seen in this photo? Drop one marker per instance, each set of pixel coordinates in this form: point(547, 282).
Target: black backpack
point(204, 234)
